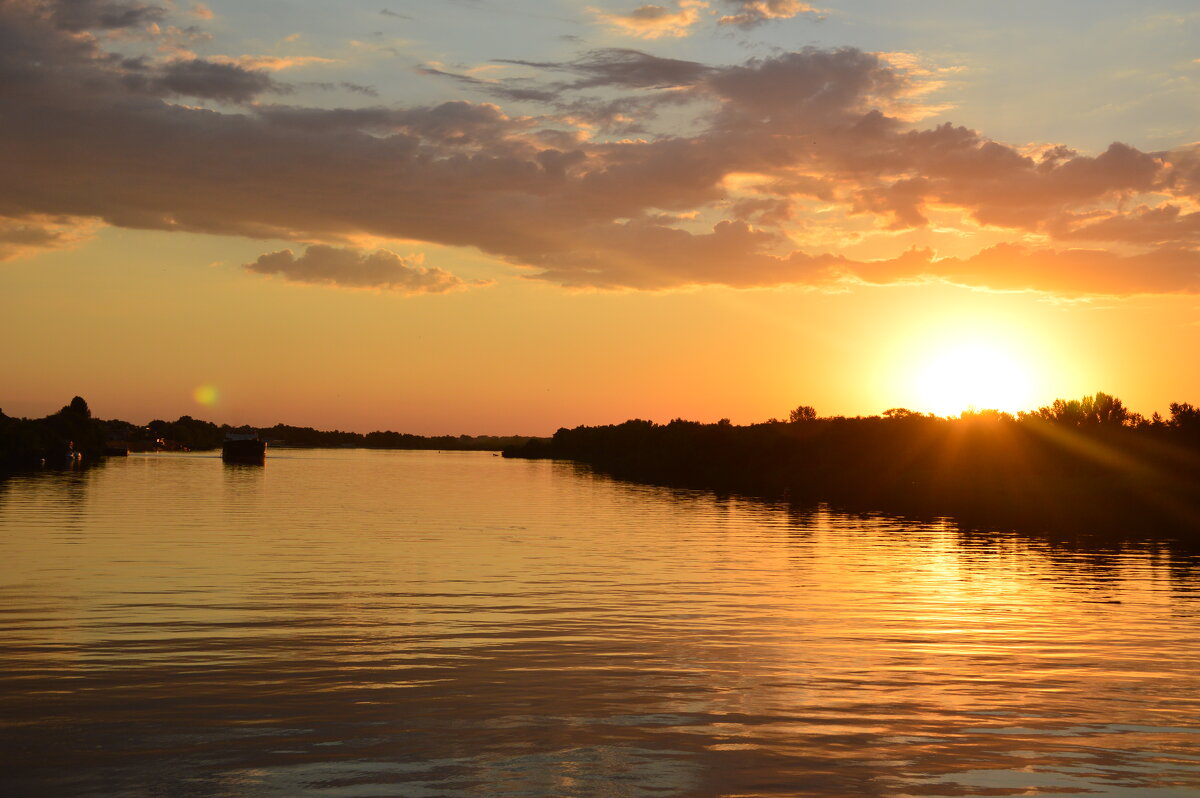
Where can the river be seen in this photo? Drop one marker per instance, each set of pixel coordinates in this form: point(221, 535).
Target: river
point(378, 623)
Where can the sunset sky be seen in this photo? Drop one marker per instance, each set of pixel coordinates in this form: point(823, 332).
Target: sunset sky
point(476, 216)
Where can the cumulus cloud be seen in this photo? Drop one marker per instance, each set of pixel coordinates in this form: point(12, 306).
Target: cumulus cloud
point(752, 13)
point(351, 268)
point(760, 162)
point(655, 22)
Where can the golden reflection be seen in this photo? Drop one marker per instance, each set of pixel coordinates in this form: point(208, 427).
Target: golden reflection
point(549, 632)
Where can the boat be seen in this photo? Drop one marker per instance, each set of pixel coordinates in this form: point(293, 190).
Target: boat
point(243, 447)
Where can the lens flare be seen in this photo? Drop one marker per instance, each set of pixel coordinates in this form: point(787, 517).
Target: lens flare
point(205, 395)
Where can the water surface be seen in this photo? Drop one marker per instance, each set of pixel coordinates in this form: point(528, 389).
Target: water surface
point(357, 623)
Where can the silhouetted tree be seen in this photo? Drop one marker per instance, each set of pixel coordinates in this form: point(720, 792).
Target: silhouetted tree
point(1098, 409)
point(1106, 409)
point(1184, 415)
point(802, 413)
point(77, 407)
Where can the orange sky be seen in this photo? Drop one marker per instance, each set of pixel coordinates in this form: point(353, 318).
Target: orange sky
point(490, 218)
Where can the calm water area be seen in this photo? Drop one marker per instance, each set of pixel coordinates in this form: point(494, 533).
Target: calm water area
point(376, 623)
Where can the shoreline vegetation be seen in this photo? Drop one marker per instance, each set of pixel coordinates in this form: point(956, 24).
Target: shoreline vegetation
point(1086, 465)
point(72, 436)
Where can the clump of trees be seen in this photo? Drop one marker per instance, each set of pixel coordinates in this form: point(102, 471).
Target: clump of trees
point(59, 438)
point(1095, 410)
point(1088, 454)
point(188, 432)
point(802, 414)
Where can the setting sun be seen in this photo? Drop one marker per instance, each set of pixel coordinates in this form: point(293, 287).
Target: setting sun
point(974, 375)
point(987, 358)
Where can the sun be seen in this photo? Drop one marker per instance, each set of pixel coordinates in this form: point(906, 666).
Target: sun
point(984, 355)
point(973, 374)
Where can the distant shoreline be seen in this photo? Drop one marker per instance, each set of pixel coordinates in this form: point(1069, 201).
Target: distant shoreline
point(1035, 472)
point(72, 436)
point(1085, 464)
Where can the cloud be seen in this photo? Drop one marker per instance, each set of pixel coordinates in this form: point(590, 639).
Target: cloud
point(1020, 268)
point(1157, 225)
point(350, 268)
point(655, 22)
point(655, 257)
point(622, 68)
point(209, 80)
point(25, 235)
point(754, 175)
point(81, 15)
point(271, 63)
point(752, 13)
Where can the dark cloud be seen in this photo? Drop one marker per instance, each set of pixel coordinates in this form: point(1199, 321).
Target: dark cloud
point(722, 197)
point(358, 88)
point(602, 69)
point(81, 15)
point(212, 81)
point(351, 268)
point(513, 90)
point(809, 87)
point(622, 68)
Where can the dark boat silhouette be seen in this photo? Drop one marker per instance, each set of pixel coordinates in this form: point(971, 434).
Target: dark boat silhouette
point(243, 447)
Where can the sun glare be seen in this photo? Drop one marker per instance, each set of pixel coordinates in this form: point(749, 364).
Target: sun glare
point(974, 375)
point(974, 360)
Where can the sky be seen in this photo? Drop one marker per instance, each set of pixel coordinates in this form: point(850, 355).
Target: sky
point(486, 217)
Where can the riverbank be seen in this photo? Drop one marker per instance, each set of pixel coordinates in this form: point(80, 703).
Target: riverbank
point(988, 470)
point(73, 436)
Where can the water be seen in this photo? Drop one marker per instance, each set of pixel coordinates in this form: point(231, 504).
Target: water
point(357, 623)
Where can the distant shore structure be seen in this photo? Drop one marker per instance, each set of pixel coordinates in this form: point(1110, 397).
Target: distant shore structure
point(244, 447)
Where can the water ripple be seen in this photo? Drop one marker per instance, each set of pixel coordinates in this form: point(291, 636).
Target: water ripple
point(424, 624)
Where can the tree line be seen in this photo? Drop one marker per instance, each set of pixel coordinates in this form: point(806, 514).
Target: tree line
point(72, 434)
point(1080, 459)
